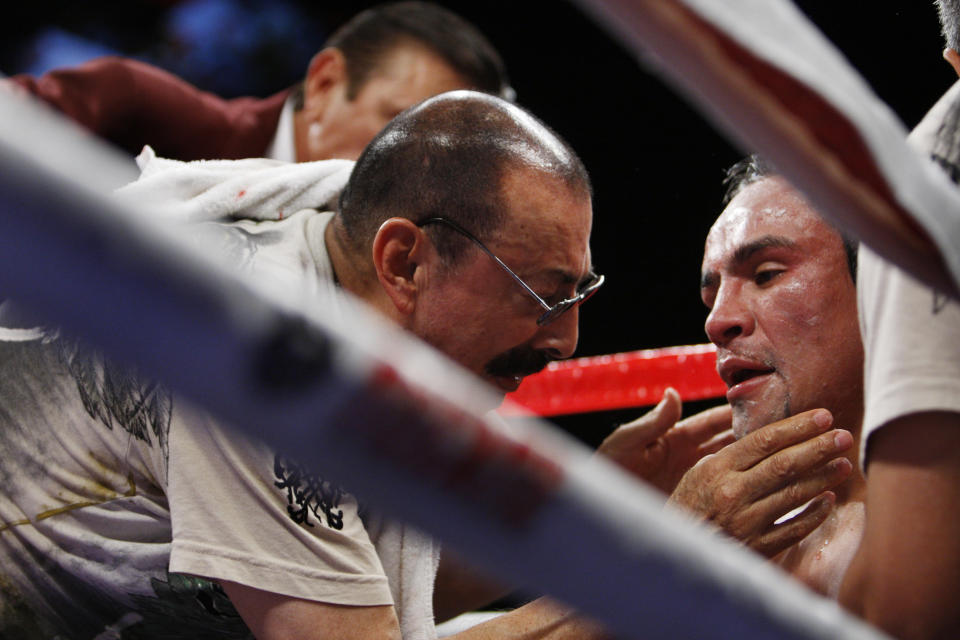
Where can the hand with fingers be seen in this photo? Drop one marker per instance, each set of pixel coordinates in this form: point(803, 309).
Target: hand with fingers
point(659, 449)
point(747, 487)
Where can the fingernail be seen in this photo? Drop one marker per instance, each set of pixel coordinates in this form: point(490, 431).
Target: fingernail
point(823, 418)
point(827, 498)
point(841, 464)
point(842, 439)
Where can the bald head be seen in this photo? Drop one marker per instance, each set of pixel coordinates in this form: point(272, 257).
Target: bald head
point(446, 157)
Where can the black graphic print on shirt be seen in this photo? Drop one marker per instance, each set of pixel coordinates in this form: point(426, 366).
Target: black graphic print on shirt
point(308, 494)
point(117, 396)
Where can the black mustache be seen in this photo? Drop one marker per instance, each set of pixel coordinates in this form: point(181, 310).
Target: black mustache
point(518, 362)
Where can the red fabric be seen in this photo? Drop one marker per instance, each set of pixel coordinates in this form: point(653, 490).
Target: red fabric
point(131, 104)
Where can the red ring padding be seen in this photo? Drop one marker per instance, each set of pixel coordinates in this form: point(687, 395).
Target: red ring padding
point(618, 381)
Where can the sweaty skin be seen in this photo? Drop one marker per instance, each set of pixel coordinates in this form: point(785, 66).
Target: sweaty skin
point(783, 316)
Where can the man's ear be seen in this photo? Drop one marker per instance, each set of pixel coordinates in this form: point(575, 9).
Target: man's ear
point(399, 249)
point(951, 56)
point(327, 70)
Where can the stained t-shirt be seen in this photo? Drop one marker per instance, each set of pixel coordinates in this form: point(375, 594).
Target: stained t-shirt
point(121, 504)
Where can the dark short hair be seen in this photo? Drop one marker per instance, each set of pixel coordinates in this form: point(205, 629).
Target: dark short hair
point(754, 168)
point(372, 34)
point(743, 173)
point(446, 158)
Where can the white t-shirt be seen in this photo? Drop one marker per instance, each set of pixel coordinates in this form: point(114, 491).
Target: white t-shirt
point(115, 492)
point(911, 333)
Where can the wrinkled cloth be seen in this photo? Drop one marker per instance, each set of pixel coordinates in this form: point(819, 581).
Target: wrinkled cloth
point(220, 190)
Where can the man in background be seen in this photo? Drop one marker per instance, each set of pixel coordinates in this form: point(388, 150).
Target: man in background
point(906, 575)
point(382, 61)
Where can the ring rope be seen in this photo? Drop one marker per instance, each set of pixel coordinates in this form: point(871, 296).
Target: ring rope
point(618, 381)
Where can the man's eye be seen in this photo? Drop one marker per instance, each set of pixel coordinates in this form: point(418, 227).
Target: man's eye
point(764, 276)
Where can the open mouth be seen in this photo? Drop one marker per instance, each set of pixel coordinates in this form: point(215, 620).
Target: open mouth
point(508, 384)
point(746, 374)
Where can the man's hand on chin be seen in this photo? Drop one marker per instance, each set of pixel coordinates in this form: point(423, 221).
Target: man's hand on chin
point(746, 488)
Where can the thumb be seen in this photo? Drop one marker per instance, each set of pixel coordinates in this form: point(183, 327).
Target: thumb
point(658, 420)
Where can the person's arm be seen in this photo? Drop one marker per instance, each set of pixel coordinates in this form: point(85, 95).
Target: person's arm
point(459, 587)
point(131, 104)
point(905, 577)
point(272, 616)
point(110, 96)
point(542, 619)
point(746, 487)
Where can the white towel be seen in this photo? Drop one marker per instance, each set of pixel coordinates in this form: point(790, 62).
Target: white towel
point(410, 559)
point(254, 188)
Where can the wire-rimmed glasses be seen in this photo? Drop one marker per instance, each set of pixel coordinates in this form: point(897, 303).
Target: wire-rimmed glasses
point(551, 312)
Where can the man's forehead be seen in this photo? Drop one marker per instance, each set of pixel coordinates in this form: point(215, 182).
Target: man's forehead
point(530, 186)
point(406, 51)
point(764, 210)
point(547, 224)
point(413, 72)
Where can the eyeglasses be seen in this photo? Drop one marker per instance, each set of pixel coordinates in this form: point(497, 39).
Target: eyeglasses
point(551, 312)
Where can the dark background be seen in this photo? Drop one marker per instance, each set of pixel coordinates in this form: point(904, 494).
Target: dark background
point(656, 164)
